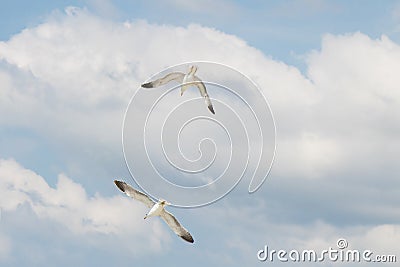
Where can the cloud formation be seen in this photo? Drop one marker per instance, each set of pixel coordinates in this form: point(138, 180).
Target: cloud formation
point(69, 206)
point(69, 81)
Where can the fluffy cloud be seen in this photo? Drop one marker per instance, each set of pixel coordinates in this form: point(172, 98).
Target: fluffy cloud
point(253, 230)
point(69, 80)
point(77, 83)
point(69, 206)
point(73, 88)
point(356, 106)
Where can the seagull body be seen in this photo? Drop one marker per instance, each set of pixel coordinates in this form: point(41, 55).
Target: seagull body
point(188, 79)
point(157, 209)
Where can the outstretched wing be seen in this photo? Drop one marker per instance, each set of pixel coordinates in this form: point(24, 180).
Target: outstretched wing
point(173, 76)
point(130, 191)
point(203, 92)
point(176, 226)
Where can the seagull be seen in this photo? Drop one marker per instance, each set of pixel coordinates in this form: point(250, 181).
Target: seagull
point(157, 209)
point(187, 80)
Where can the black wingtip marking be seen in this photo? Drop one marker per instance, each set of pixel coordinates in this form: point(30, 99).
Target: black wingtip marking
point(211, 109)
point(147, 85)
point(187, 238)
point(120, 185)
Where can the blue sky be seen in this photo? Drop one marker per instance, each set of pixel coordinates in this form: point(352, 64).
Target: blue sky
point(68, 70)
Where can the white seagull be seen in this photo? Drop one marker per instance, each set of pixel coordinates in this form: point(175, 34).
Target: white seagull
point(187, 80)
point(157, 209)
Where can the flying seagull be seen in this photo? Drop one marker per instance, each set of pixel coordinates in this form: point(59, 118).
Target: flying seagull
point(187, 80)
point(157, 209)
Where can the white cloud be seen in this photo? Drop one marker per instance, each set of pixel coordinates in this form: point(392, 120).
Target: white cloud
point(79, 83)
point(346, 120)
point(69, 205)
point(359, 104)
point(253, 229)
point(78, 86)
point(70, 80)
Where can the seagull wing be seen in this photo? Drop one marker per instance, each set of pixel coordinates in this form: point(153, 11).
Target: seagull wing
point(203, 92)
point(176, 226)
point(130, 191)
point(173, 76)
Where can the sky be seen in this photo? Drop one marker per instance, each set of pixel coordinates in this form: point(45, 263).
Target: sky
point(70, 70)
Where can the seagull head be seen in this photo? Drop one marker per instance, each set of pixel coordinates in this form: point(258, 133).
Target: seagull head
point(164, 202)
point(192, 69)
point(188, 78)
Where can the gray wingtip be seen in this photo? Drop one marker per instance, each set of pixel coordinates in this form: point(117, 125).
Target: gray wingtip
point(147, 85)
point(120, 185)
